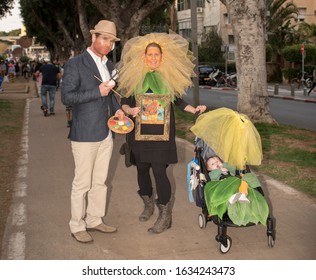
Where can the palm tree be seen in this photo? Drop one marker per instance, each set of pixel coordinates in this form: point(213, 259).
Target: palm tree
point(307, 33)
point(279, 25)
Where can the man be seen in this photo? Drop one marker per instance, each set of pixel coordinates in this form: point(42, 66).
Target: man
point(91, 140)
point(3, 69)
point(49, 82)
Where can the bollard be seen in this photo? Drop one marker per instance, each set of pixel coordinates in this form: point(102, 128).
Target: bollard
point(305, 91)
point(276, 89)
point(292, 89)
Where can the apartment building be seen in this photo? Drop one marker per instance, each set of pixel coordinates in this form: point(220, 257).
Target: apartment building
point(307, 11)
point(212, 14)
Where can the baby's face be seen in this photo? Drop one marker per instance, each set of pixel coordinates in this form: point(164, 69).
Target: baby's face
point(214, 163)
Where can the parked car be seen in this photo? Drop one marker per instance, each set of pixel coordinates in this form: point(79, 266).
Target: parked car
point(204, 73)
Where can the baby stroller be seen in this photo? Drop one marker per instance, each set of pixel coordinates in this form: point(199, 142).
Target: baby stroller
point(210, 195)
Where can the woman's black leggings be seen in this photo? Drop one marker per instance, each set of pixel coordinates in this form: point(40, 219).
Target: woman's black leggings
point(162, 182)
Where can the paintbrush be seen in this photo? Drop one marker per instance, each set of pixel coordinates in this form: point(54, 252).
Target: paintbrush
point(111, 89)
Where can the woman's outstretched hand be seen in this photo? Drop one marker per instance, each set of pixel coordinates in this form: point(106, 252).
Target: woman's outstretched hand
point(200, 109)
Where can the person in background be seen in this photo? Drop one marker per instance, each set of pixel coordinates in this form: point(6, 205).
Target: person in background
point(49, 82)
point(3, 69)
point(37, 76)
point(1, 80)
point(314, 82)
point(11, 72)
point(157, 64)
point(93, 103)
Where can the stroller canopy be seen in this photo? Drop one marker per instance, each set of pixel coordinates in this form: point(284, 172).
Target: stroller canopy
point(231, 135)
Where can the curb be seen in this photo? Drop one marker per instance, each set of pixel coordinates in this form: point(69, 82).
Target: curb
point(293, 98)
point(301, 99)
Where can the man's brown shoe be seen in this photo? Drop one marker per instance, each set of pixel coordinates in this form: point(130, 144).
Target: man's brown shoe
point(82, 236)
point(103, 228)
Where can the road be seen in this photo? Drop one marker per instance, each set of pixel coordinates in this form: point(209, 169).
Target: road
point(298, 114)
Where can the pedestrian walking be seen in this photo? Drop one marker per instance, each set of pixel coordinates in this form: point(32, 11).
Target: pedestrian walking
point(3, 68)
point(314, 82)
point(11, 72)
point(49, 82)
point(92, 103)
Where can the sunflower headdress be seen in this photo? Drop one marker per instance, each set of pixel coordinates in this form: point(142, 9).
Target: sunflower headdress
point(176, 68)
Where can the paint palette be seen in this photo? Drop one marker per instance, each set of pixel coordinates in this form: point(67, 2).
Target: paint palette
point(121, 125)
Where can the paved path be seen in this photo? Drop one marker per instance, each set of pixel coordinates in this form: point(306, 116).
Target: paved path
point(37, 228)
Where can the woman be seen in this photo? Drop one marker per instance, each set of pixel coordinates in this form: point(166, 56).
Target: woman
point(157, 64)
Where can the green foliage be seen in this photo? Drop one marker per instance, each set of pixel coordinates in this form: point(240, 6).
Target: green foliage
point(156, 22)
point(5, 7)
point(269, 52)
point(280, 29)
point(217, 194)
point(293, 54)
point(290, 73)
point(24, 59)
point(307, 33)
point(210, 49)
point(276, 77)
point(14, 32)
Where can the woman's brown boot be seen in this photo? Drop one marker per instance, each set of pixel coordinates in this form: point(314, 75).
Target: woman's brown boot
point(163, 221)
point(149, 207)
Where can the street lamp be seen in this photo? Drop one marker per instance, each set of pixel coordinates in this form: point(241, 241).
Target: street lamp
point(225, 49)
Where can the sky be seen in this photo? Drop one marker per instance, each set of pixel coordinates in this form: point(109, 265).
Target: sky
point(9, 23)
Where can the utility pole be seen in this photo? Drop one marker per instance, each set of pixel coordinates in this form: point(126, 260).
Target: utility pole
point(303, 58)
point(195, 52)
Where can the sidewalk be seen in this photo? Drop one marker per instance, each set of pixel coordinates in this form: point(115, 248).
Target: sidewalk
point(37, 228)
point(286, 92)
point(281, 91)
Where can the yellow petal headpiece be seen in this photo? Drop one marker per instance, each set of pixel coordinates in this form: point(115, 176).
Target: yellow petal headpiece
point(176, 68)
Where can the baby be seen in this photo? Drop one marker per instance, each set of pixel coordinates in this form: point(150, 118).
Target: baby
point(214, 163)
point(216, 168)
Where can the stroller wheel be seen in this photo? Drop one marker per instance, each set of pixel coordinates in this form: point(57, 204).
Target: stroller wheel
point(271, 241)
point(202, 221)
point(225, 245)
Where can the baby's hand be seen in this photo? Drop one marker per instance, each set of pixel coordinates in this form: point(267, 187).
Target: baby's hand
point(224, 169)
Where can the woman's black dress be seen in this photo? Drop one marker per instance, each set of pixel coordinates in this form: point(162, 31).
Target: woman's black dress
point(155, 151)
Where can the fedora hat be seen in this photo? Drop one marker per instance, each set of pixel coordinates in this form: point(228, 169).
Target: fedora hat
point(105, 27)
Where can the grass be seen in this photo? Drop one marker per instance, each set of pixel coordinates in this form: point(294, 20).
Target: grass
point(11, 120)
point(289, 153)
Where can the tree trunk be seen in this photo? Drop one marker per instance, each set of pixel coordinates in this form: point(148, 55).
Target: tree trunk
point(83, 22)
point(248, 22)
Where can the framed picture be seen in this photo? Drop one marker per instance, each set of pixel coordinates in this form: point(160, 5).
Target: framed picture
point(153, 121)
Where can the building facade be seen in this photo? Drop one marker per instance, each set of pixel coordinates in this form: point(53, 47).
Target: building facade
point(212, 14)
point(307, 11)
